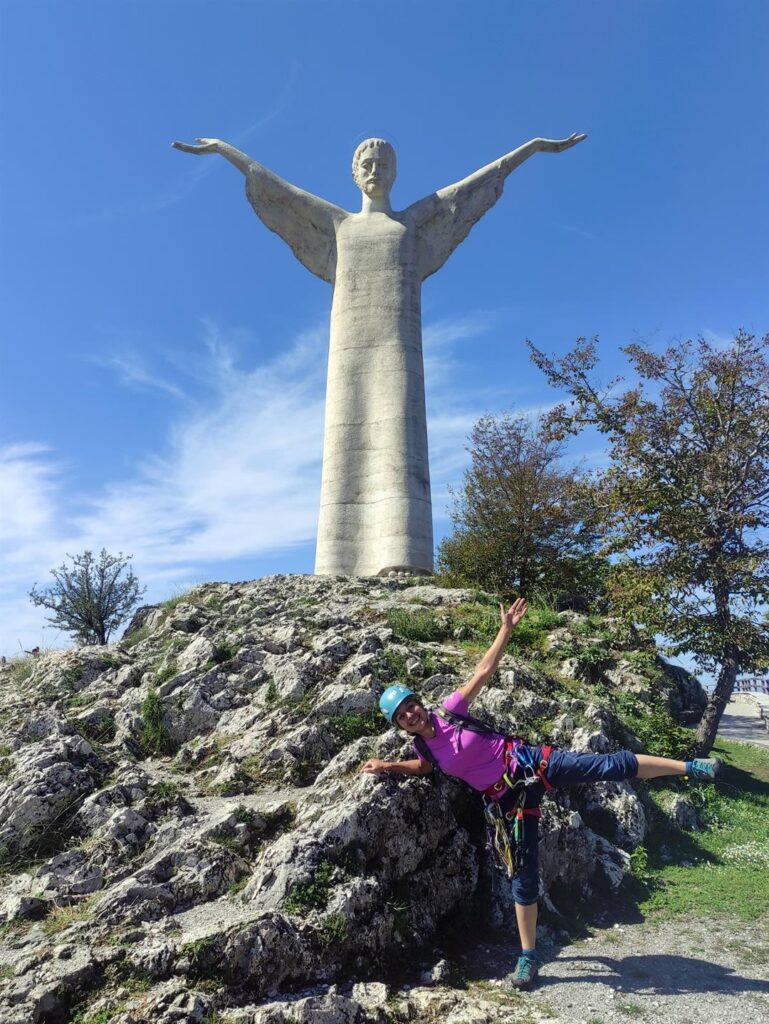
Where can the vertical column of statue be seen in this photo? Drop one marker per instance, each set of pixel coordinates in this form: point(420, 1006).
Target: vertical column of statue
point(375, 508)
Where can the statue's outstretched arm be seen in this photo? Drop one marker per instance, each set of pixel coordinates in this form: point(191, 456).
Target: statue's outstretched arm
point(304, 221)
point(445, 218)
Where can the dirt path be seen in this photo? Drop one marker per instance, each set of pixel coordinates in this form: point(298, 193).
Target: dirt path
point(678, 972)
point(742, 721)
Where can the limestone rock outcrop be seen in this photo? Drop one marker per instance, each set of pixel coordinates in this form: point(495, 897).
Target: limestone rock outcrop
point(184, 831)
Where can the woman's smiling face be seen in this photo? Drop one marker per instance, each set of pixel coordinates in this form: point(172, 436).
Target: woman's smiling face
point(411, 716)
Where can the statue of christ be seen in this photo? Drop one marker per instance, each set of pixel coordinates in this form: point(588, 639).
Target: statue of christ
point(375, 507)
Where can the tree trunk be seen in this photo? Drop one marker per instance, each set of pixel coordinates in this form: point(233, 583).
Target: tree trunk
point(711, 716)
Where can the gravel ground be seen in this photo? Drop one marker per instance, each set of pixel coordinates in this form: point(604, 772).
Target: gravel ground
point(742, 721)
point(677, 972)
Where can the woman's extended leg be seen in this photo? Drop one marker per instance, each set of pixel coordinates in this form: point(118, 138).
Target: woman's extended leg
point(655, 767)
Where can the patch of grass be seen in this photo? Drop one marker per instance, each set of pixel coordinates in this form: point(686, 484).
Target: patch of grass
point(238, 886)
point(201, 955)
point(479, 622)
point(167, 672)
point(135, 638)
point(529, 635)
point(21, 669)
point(419, 625)
point(332, 931)
point(71, 676)
point(271, 695)
point(312, 895)
point(719, 881)
point(105, 1016)
point(102, 731)
point(166, 790)
point(223, 652)
point(6, 767)
point(80, 701)
point(630, 1009)
point(153, 735)
point(349, 727)
point(61, 918)
point(395, 663)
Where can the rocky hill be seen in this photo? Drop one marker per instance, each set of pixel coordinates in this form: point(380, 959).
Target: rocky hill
point(185, 836)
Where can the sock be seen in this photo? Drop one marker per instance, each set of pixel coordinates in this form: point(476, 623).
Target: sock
point(688, 767)
point(528, 952)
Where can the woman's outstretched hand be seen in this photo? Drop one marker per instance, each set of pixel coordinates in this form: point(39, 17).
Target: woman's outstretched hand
point(374, 765)
point(514, 613)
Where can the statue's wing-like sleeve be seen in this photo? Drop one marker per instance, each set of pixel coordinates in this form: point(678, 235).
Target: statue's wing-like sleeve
point(444, 218)
point(306, 223)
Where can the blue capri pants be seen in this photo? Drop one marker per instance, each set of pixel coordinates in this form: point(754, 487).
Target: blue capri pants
point(564, 768)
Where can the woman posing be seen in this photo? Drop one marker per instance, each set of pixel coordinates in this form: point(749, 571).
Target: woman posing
point(511, 775)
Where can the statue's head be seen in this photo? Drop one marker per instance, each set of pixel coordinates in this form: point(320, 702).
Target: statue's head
point(373, 167)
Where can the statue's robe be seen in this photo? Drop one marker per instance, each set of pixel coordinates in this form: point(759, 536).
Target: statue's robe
point(375, 507)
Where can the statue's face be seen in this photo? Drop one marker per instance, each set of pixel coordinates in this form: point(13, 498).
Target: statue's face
point(375, 171)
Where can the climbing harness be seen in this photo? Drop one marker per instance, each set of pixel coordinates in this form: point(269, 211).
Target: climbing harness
point(504, 803)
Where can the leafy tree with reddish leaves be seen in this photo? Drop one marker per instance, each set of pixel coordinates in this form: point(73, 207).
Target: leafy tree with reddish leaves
point(519, 523)
point(685, 501)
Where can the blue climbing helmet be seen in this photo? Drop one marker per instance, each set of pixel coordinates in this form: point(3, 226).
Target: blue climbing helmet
point(392, 698)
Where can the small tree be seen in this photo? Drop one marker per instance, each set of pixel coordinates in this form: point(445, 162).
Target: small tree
point(91, 597)
point(686, 500)
point(519, 522)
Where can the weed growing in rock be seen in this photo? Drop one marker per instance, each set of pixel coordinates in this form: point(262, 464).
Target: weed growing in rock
point(21, 669)
point(61, 918)
point(312, 895)
point(168, 671)
point(222, 653)
point(166, 790)
point(347, 728)
point(238, 887)
point(395, 666)
point(153, 735)
point(100, 731)
point(71, 676)
point(201, 956)
point(332, 931)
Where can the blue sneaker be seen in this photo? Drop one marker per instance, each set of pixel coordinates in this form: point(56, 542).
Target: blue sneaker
point(526, 971)
point(706, 769)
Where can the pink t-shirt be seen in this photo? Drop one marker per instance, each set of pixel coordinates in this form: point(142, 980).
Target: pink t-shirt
point(477, 758)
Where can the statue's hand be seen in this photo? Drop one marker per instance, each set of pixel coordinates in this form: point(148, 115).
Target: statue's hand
point(559, 145)
point(206, 146)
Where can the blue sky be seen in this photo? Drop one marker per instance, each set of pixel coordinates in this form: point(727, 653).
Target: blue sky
point(163, 358)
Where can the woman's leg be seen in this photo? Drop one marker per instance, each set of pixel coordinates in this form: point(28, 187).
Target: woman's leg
point(526, 917)
point(655, 767)
point(566, 768)
point(525, 894)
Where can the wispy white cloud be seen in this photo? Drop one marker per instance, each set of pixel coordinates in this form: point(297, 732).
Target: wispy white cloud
point(236, 476)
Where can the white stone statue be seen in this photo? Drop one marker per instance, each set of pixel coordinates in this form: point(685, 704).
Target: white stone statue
point(375, 508)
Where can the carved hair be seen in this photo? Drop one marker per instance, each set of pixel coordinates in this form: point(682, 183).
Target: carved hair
point(382, 144)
